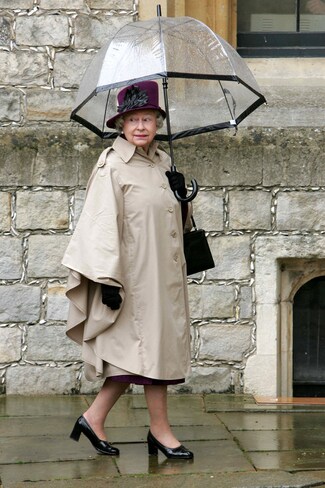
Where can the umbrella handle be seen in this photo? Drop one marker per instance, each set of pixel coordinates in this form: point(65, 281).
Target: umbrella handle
point(195, 188)
point(191, 196)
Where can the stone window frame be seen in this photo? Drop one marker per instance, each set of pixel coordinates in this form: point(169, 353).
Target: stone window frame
point(283, 263)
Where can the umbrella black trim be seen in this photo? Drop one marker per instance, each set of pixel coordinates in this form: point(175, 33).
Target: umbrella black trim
point(196, 131)
point(169, 74)
point(75, 110)
point(162, 75)
point(92, 127)
point(257, 93)
point(182, 134)
point(249, 110)
point(178, 135)
point(198, 76)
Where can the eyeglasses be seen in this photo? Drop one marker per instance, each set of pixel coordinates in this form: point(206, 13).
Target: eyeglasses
point(135, 120)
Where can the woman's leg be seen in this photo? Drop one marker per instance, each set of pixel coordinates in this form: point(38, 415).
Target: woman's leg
point(156, 398)
point(104, 401)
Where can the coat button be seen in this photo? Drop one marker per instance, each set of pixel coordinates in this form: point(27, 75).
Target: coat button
point(174, 233)
point(170, 210)
point(176, 258)
point(100, 164)
point(164, 186)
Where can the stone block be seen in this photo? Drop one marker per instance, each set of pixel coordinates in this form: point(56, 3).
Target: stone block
point(49, 105)
point(40, 380)
point(48, 343)
point(289, 106)
point(10, 101)
point(260, 375)
point(69, 68)
point(95, 32)
point(267, 328)
point(208, 210)
point(318, 173)
point(56, 152)
point(10, 344)
point(111, 4)
point(255, 156)
point(231, 256)
point(283, 72)
point(219, 159)
point(57, 302)
point(294, 157)
point(48, 157)
point(224, 342)
point(86, 164)
point(11, 258)
point(208, 380)
point(91, 387)
point(15, 4)
point(78, 205)
point(45, 256)
point(250, 210)
point(271, 250)
point(300, 210)
point(43, 30)
point(62, 4)
point(5, 202)
point(17, 157)
point(5, 31)
point(245, 304)
point(20, 303)
point(23, 68)
point(42, 210)
point(267, 285)
point(211, 300)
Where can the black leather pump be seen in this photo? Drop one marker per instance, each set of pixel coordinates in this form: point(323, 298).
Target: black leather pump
point(103, 447)
point(179, 452)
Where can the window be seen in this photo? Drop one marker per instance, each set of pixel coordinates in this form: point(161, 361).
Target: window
point(285, 28)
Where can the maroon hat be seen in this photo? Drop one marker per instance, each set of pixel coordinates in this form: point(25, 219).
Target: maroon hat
point(139, 96)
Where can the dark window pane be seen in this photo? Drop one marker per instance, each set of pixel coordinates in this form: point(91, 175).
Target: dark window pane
point(266, 15)
point(312, 18)
point(275, 28)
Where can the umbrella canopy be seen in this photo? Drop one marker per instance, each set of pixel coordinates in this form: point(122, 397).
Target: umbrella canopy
point(210, 87)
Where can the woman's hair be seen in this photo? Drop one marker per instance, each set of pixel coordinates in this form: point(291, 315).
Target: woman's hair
point(120, 122)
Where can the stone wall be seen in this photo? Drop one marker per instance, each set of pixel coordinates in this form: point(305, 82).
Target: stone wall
point(268, 180)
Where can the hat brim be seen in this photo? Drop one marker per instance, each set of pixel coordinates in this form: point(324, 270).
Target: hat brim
point(111, 122)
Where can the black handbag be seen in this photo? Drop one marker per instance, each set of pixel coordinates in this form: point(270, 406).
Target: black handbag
point(197, 251)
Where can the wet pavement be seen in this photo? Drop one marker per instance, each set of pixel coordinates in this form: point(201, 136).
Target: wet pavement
point(236, 444)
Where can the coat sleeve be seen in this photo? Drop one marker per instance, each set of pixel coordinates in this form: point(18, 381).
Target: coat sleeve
point(93, 255)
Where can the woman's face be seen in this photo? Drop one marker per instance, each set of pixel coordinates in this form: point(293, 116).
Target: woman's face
point(140, 127)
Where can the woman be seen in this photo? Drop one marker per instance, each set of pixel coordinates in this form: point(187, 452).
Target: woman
point(127, 279)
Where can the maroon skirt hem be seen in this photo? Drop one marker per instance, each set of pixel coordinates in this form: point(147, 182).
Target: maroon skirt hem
point(142, 380)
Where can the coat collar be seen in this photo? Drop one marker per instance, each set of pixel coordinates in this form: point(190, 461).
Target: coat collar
point(126, 150)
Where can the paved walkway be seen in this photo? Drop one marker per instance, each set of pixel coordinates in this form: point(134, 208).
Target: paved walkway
point(236, 444)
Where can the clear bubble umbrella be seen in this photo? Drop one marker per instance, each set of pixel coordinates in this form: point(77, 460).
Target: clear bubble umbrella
point(205, 85)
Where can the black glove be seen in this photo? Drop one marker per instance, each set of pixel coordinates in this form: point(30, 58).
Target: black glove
point(177, 182)
point(111, 296)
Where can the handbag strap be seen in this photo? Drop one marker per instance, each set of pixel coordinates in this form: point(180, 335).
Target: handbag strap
point(184, 206)
point(193, 222)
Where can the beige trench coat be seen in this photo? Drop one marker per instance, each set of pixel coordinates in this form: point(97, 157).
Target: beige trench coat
point(130, 235)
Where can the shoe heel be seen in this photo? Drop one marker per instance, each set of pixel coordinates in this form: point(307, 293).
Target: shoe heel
point(76, 432)
point(152, 449)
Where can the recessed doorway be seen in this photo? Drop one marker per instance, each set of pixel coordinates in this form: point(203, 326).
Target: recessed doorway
point(309, 339)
